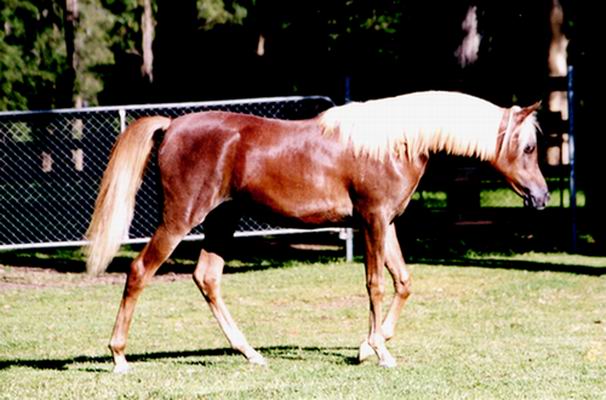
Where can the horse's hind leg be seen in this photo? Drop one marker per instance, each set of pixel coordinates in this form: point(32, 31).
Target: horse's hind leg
point(207, 276)
point(394, 261)
point(142, 268)
point(219, 227)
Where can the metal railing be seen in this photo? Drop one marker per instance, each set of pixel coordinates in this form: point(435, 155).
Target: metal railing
point(51, 163)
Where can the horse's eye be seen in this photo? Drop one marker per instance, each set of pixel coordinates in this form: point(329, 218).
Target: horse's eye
point(529, 149)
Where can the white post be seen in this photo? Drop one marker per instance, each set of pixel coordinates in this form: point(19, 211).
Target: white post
point(122, 114)
point(347, 235)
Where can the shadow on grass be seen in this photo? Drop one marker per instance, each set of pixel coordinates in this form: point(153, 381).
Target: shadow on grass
point(521, 265)
point(256, 254)
point(248, 254)
point(336, 355)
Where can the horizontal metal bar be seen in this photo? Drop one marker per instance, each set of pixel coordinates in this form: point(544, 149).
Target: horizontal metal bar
point(167, 105)
point(79, 243)
point(270, 232)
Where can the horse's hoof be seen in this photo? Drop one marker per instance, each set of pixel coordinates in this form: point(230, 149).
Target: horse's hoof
point(365, 351)
point(257, 359)
point(388, 362)
point(121, 368)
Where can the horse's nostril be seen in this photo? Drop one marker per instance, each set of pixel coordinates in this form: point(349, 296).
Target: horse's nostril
point(540, 201)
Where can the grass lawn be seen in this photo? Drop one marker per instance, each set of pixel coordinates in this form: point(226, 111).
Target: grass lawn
point(480, 332)
point(500, 197)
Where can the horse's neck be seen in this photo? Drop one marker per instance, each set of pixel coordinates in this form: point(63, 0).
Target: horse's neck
point(476, 136)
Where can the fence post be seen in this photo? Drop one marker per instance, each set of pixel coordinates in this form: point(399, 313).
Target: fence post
point(348, 233)
point(122, 114)
point(571, 152)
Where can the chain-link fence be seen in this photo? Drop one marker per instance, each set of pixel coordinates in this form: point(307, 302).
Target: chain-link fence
point(51, 163)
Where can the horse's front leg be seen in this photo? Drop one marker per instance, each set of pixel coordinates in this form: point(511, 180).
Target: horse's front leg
point(207, 276)
point(394, 261)
point(374, 237)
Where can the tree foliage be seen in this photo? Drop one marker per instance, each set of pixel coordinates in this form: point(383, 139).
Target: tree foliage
point(216, 12)
point(93, 44)
point(32, 53)
point(33, 60)
point(208, 49)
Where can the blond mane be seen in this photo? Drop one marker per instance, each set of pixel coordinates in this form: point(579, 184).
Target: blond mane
point(421, 123)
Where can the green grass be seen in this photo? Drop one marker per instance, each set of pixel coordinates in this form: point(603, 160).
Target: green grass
point(505, 197)
point(499, 198)
point(467, 332)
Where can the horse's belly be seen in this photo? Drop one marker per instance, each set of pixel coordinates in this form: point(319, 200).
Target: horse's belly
point(300, 176)
point(317, 201)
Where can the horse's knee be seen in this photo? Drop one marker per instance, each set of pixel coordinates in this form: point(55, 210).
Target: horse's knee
point(375, 287)
point(403, 288)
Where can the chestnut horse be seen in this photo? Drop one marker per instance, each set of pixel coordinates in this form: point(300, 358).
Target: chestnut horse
point(358, 163)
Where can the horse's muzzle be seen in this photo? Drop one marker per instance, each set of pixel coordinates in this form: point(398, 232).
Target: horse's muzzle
point(537, 199)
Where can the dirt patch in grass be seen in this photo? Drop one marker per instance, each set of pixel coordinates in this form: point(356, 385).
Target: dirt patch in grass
point(39, 278)
point(43, 268)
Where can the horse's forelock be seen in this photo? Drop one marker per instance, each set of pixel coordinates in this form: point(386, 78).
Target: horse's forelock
point(527, 133)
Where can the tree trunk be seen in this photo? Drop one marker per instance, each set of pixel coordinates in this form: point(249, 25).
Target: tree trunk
point(147, 28)
point(557, 62)
point(557, 151)
point(71, 18)
point(467, 52)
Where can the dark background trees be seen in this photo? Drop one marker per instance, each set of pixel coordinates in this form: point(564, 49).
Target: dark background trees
point(210, 49)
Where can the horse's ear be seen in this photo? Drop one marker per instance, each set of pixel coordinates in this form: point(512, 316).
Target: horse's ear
point(535, 106)
point(526, 111)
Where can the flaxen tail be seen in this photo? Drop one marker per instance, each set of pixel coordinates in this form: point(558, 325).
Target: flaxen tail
point(116, 200)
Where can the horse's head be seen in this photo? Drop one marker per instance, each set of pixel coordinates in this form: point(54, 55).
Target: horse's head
point(517, 156)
